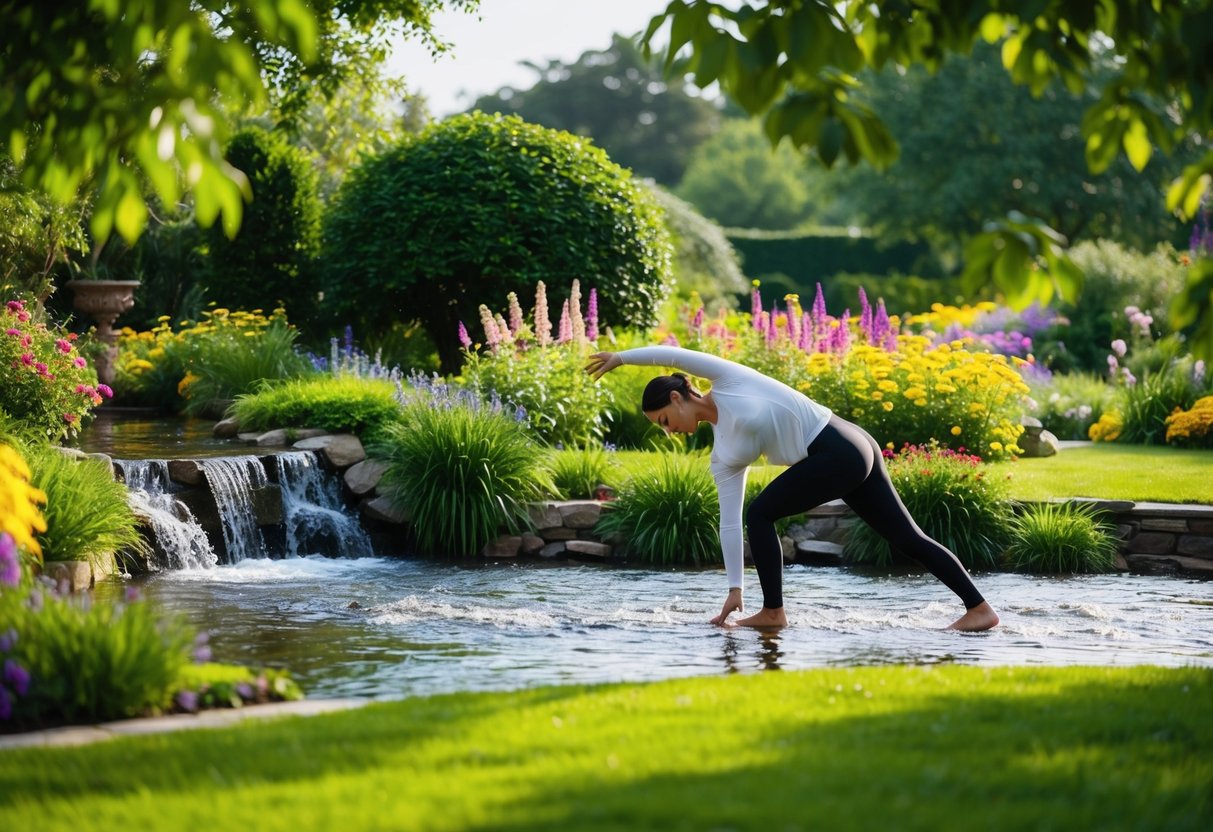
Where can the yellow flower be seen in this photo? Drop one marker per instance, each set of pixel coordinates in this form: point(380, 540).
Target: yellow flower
point(887, 406)
point(956, 431)
point(19, 501)
point(995, 446)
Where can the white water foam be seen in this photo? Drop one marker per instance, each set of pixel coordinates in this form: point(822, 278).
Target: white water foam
point(414, 608)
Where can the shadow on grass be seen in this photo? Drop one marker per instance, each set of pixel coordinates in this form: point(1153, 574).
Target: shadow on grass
point(897, 748)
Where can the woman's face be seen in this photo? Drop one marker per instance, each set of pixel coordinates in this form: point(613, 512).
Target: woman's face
point(676, 417)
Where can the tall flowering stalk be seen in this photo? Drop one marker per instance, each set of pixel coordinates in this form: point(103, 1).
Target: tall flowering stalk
point(577, 331)
point(591, 318)
point(543, 323)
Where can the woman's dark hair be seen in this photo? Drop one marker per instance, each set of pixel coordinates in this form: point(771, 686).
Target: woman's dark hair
point(657, 392)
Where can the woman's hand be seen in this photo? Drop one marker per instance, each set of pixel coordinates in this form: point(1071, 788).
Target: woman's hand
point(601, 363)
point(731, 604)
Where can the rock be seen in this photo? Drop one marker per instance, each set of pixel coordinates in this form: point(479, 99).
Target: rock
point(531, 544)
point(382, 509)
point(72, 453)
point(1170, 565)
point(104, 459)
point(819, 552)
point(74, 575)
point(1152, 543)
point(545, 515)
point(1038, 443)
point(363, 477)
point(267, 505)
point(353, 605)
point(588, 548)
point(248, 438)
point(226, 429)
point(553, 550)
point(557, 533)
point(1163, 524)
point(1195, 545)
point(340, 450)
point(788, 547)
point(185, 471)
point(582, 514)
point(272, 439)
point(506, 546)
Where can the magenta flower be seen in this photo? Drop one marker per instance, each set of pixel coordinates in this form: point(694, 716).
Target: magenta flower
point(6, 704)
point(63, 345)
point(13, 332)
point(464, 338)
point(23, 316)
point(27, 358)
point(80, 362)
point(105, 390)
point(70, 418)
point(591, 319)
point(15, 305)
point(8, 640)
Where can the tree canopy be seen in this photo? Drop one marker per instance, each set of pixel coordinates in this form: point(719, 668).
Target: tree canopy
point(796, 64)
point(110, 94)
point(622, 101)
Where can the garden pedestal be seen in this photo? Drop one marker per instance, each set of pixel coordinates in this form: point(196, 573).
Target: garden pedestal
point(104, 301)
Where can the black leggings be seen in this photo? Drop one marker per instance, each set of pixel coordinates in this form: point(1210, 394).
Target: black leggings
point(845, 461)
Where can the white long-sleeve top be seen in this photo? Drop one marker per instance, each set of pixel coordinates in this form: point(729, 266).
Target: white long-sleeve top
point(756, 416)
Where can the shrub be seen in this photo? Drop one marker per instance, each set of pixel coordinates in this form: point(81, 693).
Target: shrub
point(36, 232)
point(805, 255)
point(203, 366)
point(705, 262)
point(1054, 538)
point(338, 405)
point(269, 261)
point(1155, 379)
point(481, 203)
point(524, 365)
point(1068, 405)
point(87, 514)
point(1107, 428)
point(45, 383)
point(901, 388)
point(578, 472)
point(85, 661)
point(461, 469)
point(666, 514)
point(1192, 428)
point(951, 498)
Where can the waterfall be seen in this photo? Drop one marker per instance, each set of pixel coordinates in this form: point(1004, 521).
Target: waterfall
point(314, 514)
point(233, 481)
point(179, 541)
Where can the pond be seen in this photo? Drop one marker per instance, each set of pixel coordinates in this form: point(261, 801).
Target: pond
point(390, 627)
point(127, 437)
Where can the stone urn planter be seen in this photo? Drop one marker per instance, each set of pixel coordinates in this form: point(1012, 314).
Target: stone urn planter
point(104, 301)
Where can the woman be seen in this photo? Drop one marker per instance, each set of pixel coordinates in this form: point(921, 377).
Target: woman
point(828, 457)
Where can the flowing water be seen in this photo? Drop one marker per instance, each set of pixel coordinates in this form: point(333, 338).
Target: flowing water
point(389, 627)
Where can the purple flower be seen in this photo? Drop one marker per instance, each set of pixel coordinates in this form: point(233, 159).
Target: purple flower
point(16, 677)
point(865, 316)
point(8, 640)
point(245, 691)
point(187, 700)
point(755, 303)
point(132, 594)
point(1120, 347)
point(6, 705)
point(105, 390)
point(464, 339)
point(10, 561)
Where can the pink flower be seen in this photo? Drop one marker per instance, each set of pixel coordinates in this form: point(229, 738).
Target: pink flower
point(1120, 347)
point(27, 340)
point(13, 332)
point(15, 305)
point(80, 362)
point(40, 368)
point(70, 418)
point(23, 316)
point(27, 358)
point(464, 338)
point(63, 345)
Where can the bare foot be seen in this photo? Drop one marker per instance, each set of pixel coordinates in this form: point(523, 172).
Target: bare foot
point(981, 617)
point(766, 619)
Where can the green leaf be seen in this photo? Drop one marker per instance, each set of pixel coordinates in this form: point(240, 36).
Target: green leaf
point(1137, 144)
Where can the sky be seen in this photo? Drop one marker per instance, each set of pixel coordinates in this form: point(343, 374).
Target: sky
point(486, 47)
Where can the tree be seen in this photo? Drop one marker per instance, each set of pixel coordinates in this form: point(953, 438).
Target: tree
point(739, 181)
point(704, 260)
point(269, 261)
point(107, 94)
point(973, 144)
point(35, 236)
point(478, 206)
point(621, 101)
point(796, 64)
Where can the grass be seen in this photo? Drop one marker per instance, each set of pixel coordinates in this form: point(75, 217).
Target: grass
point(926, 748)
point(1106, 471)
point(1115, 472)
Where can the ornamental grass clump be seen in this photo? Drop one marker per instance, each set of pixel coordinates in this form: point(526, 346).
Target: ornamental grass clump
point(463, 469)
point(68, 659)
point(46, 385)
point(87, 514)
point(666, 514)
point(1060, 538)
point(338, 404)
point(955, 499)
point(527, 363)
point(579, 473)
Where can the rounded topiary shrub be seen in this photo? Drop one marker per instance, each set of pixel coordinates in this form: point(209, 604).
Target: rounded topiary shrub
point(478, 206)
point(270, 260)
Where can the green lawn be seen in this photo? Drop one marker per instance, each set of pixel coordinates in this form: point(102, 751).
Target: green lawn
point(870, 748)
point(1119, 472)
